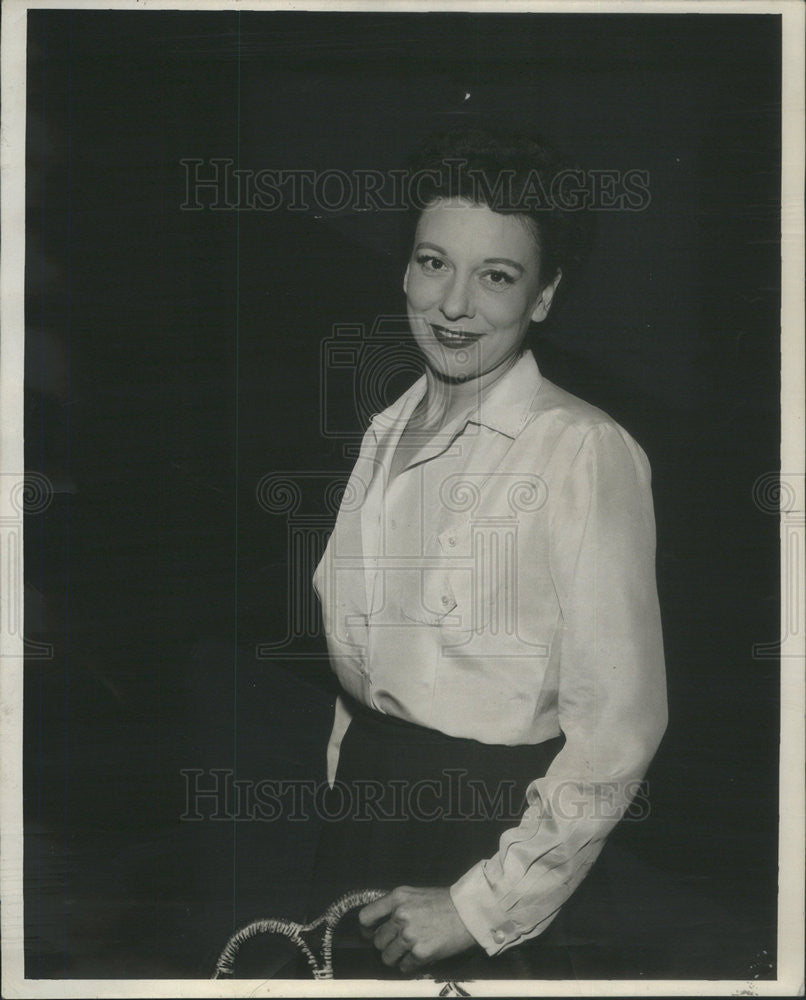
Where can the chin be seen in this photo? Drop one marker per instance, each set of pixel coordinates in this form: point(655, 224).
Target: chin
point(458, 366)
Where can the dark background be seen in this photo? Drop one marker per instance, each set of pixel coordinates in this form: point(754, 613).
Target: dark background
point(173, 360)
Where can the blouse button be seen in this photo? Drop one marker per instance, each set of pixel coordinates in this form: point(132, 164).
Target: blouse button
point(499, 937)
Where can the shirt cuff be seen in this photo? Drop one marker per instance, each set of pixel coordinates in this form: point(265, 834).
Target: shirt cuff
point(481, 913)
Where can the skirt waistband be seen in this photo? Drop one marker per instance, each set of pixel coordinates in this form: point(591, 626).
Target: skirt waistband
point(383, 725)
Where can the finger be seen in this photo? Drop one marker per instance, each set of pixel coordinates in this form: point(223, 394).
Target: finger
point(410, 964)
point(385, 934)
point(394, 951)
point(373, 912)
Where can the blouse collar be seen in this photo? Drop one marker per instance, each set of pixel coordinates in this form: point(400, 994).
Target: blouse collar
point(504, 409)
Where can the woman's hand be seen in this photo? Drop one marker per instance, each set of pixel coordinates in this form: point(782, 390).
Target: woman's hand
point(413, 928)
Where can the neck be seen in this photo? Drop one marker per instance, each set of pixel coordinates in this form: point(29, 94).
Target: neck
point(445, 398)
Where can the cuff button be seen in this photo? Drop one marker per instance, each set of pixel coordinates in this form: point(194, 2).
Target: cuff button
point(499, 937)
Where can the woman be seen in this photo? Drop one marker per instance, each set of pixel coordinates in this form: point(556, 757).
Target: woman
point(488, 597)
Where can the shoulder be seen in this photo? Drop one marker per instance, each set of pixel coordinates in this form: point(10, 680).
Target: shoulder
point(552, 404)
point(571, 427)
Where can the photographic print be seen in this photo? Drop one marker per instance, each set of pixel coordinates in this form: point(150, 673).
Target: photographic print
point(402, 499)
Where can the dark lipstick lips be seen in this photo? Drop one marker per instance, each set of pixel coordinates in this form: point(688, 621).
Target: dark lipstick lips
point(454, 338)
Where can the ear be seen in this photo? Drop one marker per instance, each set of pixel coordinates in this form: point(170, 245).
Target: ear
point(543, 304)
point(406, 280)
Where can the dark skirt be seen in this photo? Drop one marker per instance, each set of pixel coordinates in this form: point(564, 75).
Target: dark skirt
point(412, 806)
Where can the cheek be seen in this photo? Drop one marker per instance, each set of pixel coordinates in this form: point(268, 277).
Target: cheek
point(508, 311)
point(420, 292)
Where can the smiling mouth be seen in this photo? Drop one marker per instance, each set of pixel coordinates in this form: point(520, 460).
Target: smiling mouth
point(454, 338)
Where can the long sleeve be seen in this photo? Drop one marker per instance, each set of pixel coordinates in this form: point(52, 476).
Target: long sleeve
point(611, 698)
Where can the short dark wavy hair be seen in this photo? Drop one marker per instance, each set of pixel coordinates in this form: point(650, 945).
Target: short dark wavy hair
point(511, 173)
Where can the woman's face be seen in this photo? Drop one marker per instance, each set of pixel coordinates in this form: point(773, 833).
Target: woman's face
point(473, 285)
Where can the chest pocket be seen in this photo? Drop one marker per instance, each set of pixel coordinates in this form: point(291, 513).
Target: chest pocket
point(460, 592)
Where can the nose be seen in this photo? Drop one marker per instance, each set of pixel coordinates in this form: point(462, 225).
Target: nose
point(457, 301)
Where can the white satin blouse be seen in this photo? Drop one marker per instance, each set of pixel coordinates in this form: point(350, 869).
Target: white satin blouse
point(502, 588)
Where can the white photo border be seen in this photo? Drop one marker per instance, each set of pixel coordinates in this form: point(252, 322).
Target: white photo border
point(789, 979)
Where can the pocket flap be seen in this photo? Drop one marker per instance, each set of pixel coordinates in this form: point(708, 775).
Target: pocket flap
point(432, 601)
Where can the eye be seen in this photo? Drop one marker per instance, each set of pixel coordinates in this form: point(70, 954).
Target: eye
point(431, 264)
point(498, 279)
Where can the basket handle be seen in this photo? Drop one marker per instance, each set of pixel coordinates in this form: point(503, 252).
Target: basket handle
point(321, 969)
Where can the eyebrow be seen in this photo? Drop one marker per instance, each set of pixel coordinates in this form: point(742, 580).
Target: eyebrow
point(505, 260)
point(487, 260)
